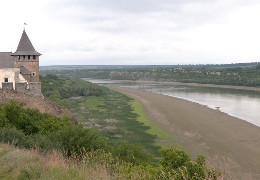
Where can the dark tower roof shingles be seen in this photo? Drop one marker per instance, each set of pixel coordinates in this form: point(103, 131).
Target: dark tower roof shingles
point(25, 46)
point(6, 60)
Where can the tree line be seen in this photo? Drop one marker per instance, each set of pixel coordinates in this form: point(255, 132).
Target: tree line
point(237, 76)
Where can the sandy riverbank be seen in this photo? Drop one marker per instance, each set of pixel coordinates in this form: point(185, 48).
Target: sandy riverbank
point(225, 140)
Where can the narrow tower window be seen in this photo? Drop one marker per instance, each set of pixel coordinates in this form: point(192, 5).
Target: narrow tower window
point(34, 57)
point(23, 57)
point(6, 79)
point(29, 57)
point(18, 57)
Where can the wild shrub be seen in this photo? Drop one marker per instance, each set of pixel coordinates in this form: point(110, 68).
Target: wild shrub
point(18, 138)
point(30, 121)
point(132, 153)
point(76, 140)
point(179, 165)
point(30, 128)
point(13, 136)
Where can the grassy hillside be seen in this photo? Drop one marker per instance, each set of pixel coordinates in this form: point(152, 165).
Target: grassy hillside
point(59, 149)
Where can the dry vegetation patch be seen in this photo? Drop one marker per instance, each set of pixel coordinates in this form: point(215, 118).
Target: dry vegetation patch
point(111, 120)
point(76, 98)
point(110, 128)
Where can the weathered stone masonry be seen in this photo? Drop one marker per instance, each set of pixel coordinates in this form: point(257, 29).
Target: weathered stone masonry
point(31, 88)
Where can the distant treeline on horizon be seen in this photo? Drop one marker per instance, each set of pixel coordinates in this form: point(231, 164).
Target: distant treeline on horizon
point(70, 67)
point(240, 74)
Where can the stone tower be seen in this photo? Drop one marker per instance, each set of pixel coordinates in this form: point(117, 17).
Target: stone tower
point(27, 59)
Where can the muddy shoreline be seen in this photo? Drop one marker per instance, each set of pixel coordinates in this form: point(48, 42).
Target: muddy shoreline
point(228, 142)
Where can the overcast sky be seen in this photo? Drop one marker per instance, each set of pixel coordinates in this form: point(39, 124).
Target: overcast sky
point(128, 32)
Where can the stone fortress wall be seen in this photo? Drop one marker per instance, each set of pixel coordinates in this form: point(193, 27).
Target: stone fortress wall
point(30, 88)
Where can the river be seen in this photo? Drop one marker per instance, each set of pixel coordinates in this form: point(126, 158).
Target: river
point(243, 104)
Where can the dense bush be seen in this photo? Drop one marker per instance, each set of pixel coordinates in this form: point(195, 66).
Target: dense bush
point(179, 165)
point(30, 121)
point(14, 136)
point(132, 153)
point(30, 128)
point(18, 138)
point(76, 139)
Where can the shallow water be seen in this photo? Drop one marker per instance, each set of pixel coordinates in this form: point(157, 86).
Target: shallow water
point(242, 104)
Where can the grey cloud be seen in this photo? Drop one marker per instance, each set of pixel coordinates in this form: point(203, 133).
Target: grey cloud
point(127, 6)
point(144, 6)
point(120, 16)
point(131, 27)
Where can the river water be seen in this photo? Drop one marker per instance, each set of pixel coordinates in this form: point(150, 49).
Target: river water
point(243, 104)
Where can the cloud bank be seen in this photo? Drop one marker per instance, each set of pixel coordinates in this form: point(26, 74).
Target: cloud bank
point(135, 32)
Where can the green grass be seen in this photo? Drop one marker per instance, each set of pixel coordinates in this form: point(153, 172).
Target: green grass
point(163, 137)
point(155, 128)
point(93, 103)
point(13, 161)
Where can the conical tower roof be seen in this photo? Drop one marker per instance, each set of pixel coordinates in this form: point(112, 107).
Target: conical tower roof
point(25, 46)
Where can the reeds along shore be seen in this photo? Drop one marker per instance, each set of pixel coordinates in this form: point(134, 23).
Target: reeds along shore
point(201, 130)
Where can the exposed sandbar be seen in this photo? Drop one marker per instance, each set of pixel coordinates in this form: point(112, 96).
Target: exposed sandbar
point(225, 140)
